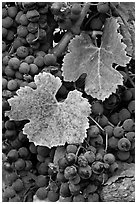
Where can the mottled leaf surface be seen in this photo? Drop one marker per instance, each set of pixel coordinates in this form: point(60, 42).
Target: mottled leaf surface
point(51, 123)
point(84, 57)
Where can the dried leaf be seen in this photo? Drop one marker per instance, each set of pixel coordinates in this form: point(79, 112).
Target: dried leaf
point(84, 57)
point(51, 123)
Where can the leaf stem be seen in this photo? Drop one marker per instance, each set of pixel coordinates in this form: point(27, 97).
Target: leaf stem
point(129, 78)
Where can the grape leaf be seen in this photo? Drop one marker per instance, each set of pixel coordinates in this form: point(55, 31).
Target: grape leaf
point(84, 57)
point(127, 10)
point(52, 123)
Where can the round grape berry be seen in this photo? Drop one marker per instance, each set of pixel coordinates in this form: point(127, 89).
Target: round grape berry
point(124, 144)
point(118, 131)
point(109, 158)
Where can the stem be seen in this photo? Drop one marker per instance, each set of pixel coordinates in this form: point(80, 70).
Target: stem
point(106, 142)
point(129, 78)
point(97, 123)
point(61, 46)
point(76, 28)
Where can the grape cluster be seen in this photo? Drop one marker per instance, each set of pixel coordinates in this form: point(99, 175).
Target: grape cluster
point(28, 37)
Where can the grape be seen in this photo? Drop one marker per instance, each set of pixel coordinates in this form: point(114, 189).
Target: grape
point(103, 7)
point(67, 199)
point(131, 106)
point(99, 157)
point(113, 167)
point(12, 155)
point(93, 197)
point(128, 125)
point(96, 24)
point(4, 32)
point(76, 8)
point(118, 131)
point(64, 190)
point(56, 6)
point(74, 188)
point(82, 161)
point(33, 69)
point(43, 169)
point(42, 193)
point(97, 108)
point(19, 164)
point(23, 20)
point(28, 165)
point(9, 192)
point(93, 131)
point(130, 136)
point(40, 158)
point(32, 85)
point(24, 68)
point(70, 172)
point(130, 159)
point(53, 196)
point(122, 155)
point(14, 63)
point(109, 158)
point(43, 151)
point(113, 142)
point(7, 22)
point(22, 137)
point(109, 130)
point(124, 144)
point(60, 177)
point(22, 31)
point(103, 120)
point(18, 185)
point(11, 177)
point(9, 72)
point(71, 158)
point(62, 163)
point(12, 11)
point(110, 103)
point(33, 15)
point(114, 118)
point(15, 199)
point(71, 149)
point(85, 172)
point(126, 95)
point(33, 148)
point(16, 143)
point(32, 27)
point(50, 59)
point(97, 167)
point(4, 12)
point(90, 156)
point(96, 141)
point(39, 61)
point(42, 181)
point(10, 134)
point(23, 152)
point(78, 198)
point(22, 52)
point(133, 93)
point(92, 148)
point(75, 180)
point(4, 83)
point(29, 59)
point(124, 114)
point(7, 166)
point(91, 188)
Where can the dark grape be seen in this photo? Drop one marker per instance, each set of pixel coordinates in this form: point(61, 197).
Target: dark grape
point(131, 106)
point(97, 108)
point(12, 155)
point(19, 164)
point(122, 155)
point(53, 196)
point(96, 141)
point(124, 114)
point(96, 24)
point(75, 180)
point(97, 167)
point(82, 161)
point(64, 190)
point(43, 151)
point(118, 131)
point(71, 158)
point(33, 148)
point(85, 172)
point(126, 95)
point(42, 193)
point(124, 144)
point(62, 163)
point(60, 177)
point(109, 130)
point(23, 152)
point(103, 7)
point(130, 136)
point(70, 172)
point(78, 198)
point(74, 188)
point(76, 8)
point(18, 185)
point(71, 149)
point(9, 192)
point(90, 156)
point(42, 181)
point(113, 167)
point(103, 120)
point(93, 197)
point(128, 125)
point(113, 142)
point(93, 131)
point(109, 158)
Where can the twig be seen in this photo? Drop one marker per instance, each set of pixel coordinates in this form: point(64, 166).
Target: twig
point(106, 142)
point(129, 78)
point(97, 123)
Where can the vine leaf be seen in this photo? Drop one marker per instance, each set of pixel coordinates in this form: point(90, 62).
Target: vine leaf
point(52, 123)
point(84, 57)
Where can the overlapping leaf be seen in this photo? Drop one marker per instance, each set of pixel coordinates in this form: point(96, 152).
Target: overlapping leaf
point(84, 57)
point(51, 123)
